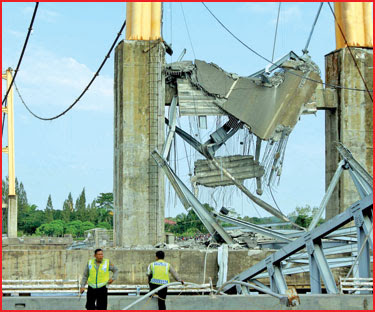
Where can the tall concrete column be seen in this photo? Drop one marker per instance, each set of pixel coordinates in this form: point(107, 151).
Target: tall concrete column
point(138, 130)
point(349, 120)
point(12, 216)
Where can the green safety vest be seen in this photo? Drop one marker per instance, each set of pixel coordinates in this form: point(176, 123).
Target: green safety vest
point(160, 272)
point(98, 278)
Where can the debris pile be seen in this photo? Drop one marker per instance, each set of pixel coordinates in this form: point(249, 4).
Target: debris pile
point(244, 239)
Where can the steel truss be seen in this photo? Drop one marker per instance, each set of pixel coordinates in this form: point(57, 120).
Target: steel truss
point(311, 240)
point(360, 212)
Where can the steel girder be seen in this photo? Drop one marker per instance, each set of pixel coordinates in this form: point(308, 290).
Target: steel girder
point(189, 200)
point(312, 241)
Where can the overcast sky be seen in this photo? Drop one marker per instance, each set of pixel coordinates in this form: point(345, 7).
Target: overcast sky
point(70, 40)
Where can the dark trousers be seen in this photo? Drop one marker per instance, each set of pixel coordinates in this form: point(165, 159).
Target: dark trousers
point(162, 294)
point(97, 298)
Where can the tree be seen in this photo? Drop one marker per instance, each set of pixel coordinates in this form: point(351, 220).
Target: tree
point(74, 228)
point(22, 204)
point(33, 220)
point(105, 200)
point(49, 210)
point(80, 207)
point(54, 228)
point(104, 225)
point(92, 212)
point(304, 215)
point(188, 224)
point(68, 209)
point(5, 189)
point(87, 225)
point(77, 228)
point(104, 203)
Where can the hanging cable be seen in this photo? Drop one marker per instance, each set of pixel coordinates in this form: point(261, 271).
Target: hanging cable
point(305, 51)
point(278, 66)
point(277, 25)
point(19, 62)
point(274, 200)
point(3, 121)
point(89, 84)
point(350, 51)
point(23, 51)
point(187, 29)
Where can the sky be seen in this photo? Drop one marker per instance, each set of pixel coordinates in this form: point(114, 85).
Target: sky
point(67, 45)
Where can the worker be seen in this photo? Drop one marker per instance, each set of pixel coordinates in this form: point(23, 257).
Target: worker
point(96, 274)
point(158, 274)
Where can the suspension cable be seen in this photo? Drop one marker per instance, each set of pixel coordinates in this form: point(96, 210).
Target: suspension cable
point(89, 84)
point(23, 51)
point(351, 53)
point(4, 102)
point(277, 26)
point(305, 51)
point(278, 66)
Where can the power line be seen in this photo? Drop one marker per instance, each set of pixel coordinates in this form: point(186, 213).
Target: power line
point(350, 50)
point(19, 60)
point(278, 66)
point(89, 84)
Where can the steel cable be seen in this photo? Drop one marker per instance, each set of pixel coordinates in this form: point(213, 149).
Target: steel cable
point(19, 61)
point(278, 66)
point(89, 84)
point(350, 51)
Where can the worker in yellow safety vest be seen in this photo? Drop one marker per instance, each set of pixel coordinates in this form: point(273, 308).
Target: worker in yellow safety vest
point(97, 276)
point(158, 274)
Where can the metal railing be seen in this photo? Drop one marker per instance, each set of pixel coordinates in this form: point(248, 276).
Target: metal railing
point(353, 284)
point(73, 286)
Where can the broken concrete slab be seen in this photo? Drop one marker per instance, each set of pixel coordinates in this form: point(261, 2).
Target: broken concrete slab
point(265, 106)
point(240, 166)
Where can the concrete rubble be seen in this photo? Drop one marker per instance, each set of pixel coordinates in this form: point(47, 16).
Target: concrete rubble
point(241, 239)
point(203, 88)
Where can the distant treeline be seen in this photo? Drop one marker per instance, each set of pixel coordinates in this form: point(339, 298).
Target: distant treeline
point(76, 218)
point(71, 218)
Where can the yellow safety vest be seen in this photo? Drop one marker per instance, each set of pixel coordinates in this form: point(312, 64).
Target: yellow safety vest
point(98, 278)
point(160, 272)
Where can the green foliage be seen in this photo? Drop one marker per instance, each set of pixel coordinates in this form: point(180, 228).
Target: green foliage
point(54, 228)
point(104, 205)
point(68, 209)
point(87, 225)
point(71, 219)
point(304, 215)
point(49, 210)
point(74, 228)
point(187, 224)
point(104, 225)
point(33, 219)
point(80, 207)
point(191, 232)
point(5, 188)
point(105, 200)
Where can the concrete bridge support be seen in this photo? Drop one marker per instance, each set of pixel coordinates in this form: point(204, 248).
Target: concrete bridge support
point(138, 130)
point(349, 119)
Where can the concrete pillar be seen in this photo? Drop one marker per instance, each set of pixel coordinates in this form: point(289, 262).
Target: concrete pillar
point(138, 130)
point(12, 216)
point(349, 120)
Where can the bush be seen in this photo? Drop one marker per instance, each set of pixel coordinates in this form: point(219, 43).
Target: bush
point(104, 225)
